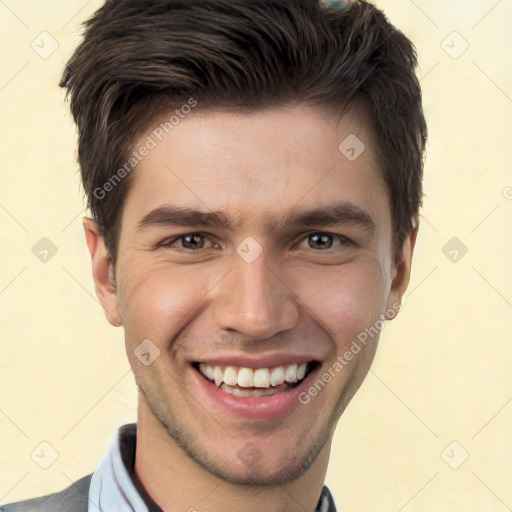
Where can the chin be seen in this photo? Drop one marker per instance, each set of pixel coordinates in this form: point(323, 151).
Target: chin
point(259, 472)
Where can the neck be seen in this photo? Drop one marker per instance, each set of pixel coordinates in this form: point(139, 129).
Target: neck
point(177, 483)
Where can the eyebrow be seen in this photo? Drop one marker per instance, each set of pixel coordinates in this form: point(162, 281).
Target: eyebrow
point(328, 215)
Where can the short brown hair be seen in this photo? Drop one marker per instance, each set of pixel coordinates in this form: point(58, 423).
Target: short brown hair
point(141, 58)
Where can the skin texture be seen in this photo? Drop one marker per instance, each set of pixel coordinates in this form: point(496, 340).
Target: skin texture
point(297, 296)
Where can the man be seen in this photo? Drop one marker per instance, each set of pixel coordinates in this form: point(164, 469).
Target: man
point(253, 169)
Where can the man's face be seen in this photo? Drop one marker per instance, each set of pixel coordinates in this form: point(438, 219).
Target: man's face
point(291, 259)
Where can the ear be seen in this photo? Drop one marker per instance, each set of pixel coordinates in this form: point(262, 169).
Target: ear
point(401, 272)
point(102, 272)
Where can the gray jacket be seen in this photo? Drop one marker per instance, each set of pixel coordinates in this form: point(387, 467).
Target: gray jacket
point(73, 499)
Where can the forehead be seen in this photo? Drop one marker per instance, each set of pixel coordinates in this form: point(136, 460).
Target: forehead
point(255, 165)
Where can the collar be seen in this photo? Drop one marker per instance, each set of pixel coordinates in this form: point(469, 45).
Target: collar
point(116, 488)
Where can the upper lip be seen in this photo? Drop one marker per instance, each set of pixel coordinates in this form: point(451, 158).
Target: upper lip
point(260, 361)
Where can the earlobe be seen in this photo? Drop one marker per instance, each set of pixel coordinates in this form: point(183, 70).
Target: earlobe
point(102, 272)
point(401, 272)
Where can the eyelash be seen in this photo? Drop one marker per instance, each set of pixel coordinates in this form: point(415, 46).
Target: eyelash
point(168, 242)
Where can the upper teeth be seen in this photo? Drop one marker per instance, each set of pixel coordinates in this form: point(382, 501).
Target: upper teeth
point(257, 377)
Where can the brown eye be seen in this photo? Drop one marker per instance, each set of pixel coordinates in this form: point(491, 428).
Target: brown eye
point(323, 241)
point(320, 241)
point(192, 241)
point(188, 241)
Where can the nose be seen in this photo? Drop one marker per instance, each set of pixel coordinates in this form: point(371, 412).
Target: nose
point(254, 300)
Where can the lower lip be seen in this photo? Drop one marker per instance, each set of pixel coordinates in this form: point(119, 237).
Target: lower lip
point(261, 407)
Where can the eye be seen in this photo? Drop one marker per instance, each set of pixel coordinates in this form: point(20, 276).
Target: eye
point(189, 241)
point(323, 241)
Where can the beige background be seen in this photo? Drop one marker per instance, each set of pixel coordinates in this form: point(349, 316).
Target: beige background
point(442, 372)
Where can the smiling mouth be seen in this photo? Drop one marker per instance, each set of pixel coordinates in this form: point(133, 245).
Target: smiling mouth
point(256, 382)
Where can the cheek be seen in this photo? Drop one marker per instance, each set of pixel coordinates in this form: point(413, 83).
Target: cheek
point(157, 302)
point(345, 299)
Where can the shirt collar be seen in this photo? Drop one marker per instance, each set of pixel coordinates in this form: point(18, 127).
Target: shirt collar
point(115, 486)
